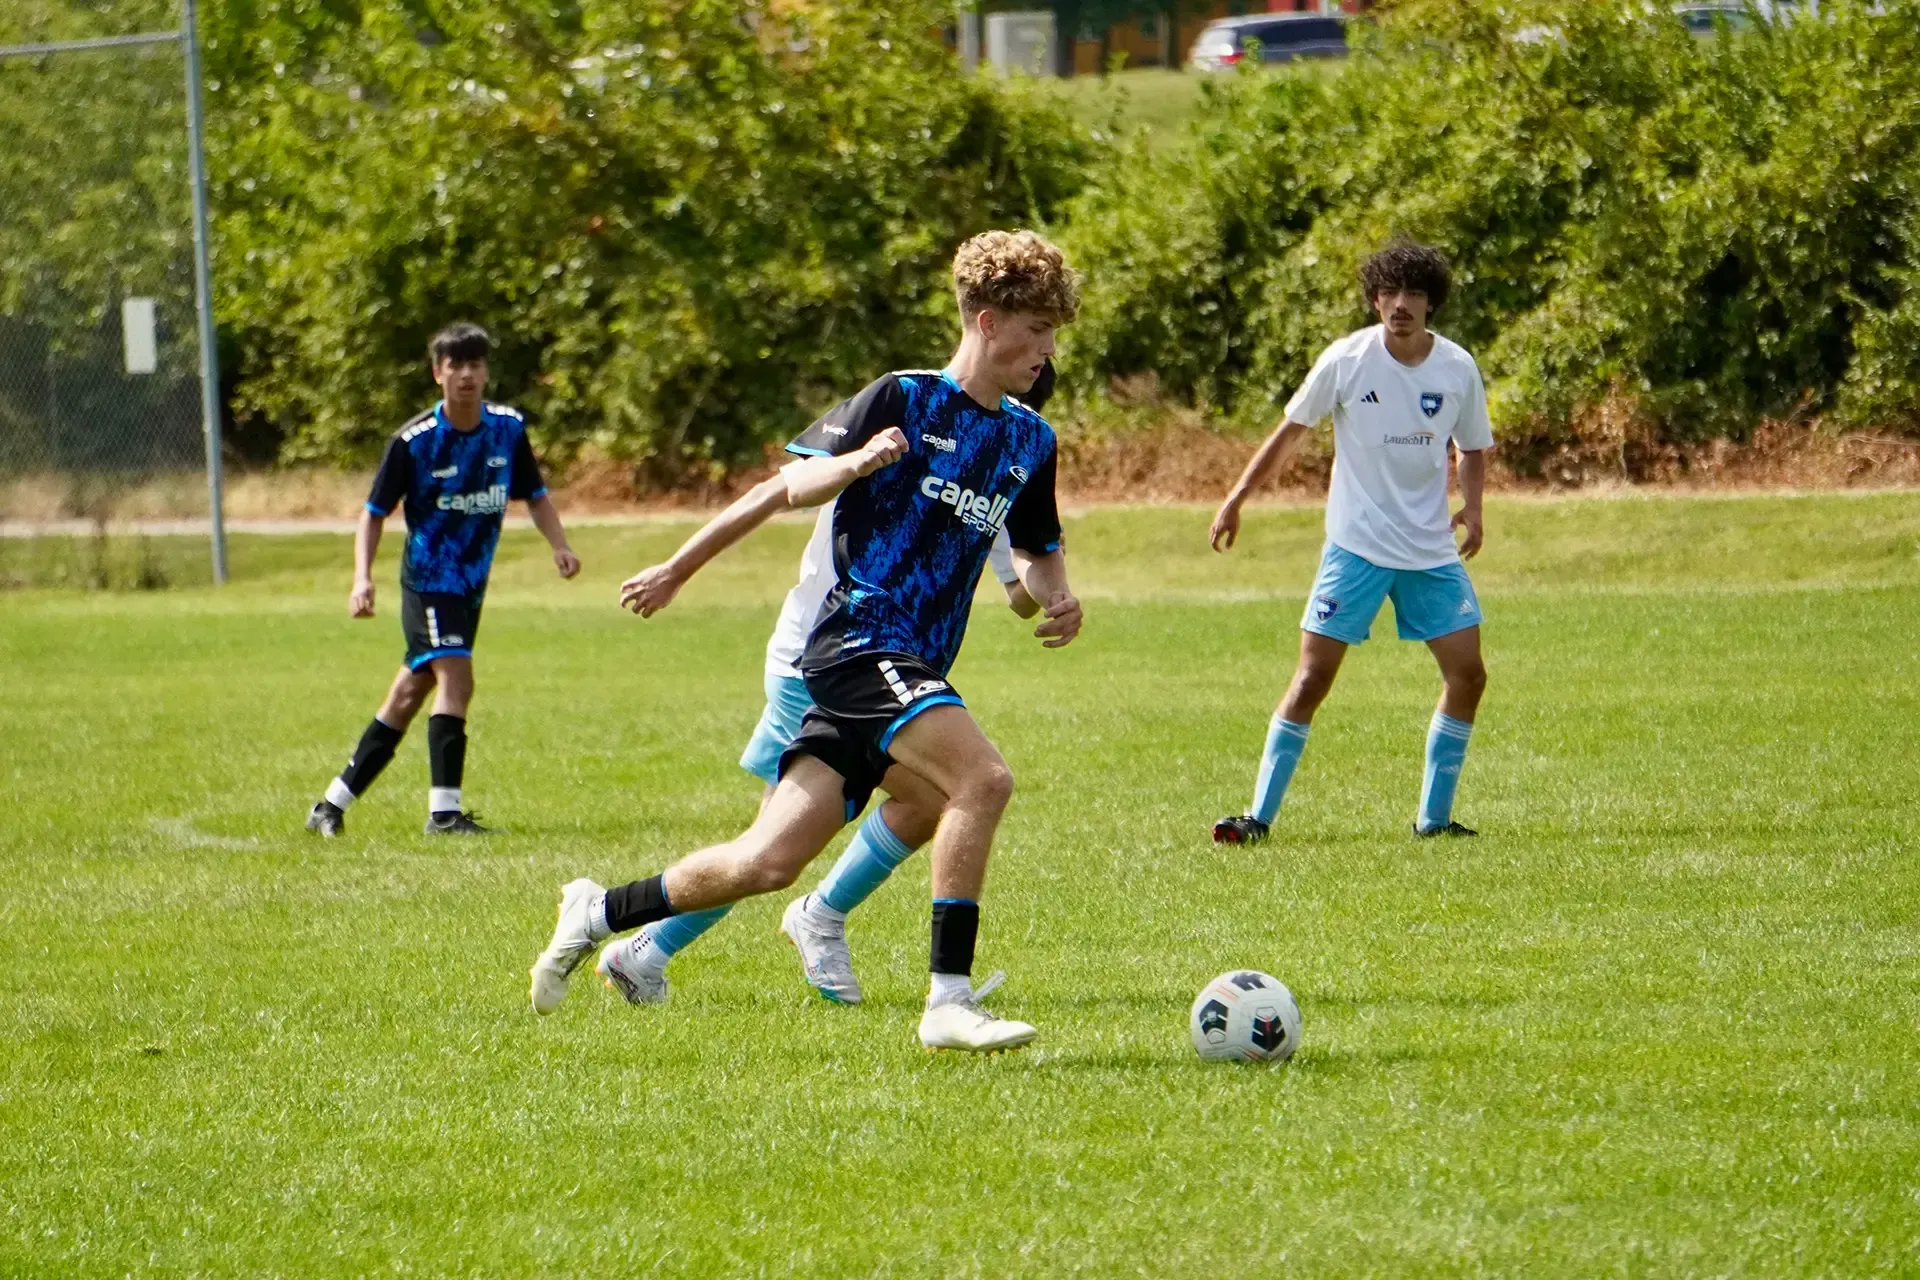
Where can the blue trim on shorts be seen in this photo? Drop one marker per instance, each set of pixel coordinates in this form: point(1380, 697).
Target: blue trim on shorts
point(900, 721)
point(414, 664)
point(376, 511)
point(535, 497)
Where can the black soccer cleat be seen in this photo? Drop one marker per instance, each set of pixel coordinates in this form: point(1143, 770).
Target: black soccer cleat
point(1245, 829)
point(455, 824)
point(327, 819)
point(1451, 829)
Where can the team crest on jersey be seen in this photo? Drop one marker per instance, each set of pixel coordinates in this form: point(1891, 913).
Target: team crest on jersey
point(1324, 607)
point(1430, 402)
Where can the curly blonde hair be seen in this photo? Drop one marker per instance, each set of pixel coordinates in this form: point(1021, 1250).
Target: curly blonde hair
point(1015, 271)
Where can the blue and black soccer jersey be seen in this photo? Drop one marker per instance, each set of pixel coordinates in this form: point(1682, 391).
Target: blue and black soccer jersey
point(909, 541)
point(455, 486)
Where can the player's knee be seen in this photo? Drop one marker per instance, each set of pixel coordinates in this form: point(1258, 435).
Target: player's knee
point(990, 788)
point(1469, 678)
point(1313, 682)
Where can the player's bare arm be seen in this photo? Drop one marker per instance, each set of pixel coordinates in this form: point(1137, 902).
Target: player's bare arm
point(546, 518)
point(819, 480)
point(366, 543)
point(1022, 604)
point(653, 588)
point(1045, 578)
point(1473, 483)
point(1266, 461)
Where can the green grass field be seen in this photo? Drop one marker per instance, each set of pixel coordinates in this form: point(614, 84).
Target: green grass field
point(1659, 1020)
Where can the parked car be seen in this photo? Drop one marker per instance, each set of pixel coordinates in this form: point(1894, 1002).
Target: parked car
point(1268, 37)
point(1706, 19)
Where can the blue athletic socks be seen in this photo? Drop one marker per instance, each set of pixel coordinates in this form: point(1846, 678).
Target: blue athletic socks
point(1285, 741)
point(676, 932)
point(872, 856)
point(1446, 752)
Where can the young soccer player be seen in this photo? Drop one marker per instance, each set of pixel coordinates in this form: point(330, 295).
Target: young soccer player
point(923, 469)
point(1397, 393)
point(454, 467)
point(816, 922)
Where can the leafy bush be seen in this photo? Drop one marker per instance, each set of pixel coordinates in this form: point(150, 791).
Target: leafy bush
point(1710, 230)
point(688, 228)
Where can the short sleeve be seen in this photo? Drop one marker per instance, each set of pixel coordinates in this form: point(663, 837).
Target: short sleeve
point(527, 483)
point(851, 423)
point(1033, 522)
point(1474, 430)
point(1315, 399)
point(1001, 558)
point(394, 480)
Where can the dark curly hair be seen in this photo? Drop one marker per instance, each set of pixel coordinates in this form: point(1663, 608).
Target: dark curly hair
point(1405, 264)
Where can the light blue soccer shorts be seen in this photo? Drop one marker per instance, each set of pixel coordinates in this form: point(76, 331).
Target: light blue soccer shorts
point(1427, 603)
point(787, 705)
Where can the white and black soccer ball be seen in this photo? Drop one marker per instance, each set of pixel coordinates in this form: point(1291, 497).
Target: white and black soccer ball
point(1245, 1016)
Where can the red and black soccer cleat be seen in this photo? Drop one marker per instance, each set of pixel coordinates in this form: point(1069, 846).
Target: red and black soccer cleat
point(1245, 829)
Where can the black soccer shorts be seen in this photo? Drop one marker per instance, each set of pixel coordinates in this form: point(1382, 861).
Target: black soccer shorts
point(438, 626)
point(859, 704)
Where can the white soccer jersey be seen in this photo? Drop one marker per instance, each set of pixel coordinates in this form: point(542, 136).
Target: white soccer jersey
point(803, 603)
point(1391, 424)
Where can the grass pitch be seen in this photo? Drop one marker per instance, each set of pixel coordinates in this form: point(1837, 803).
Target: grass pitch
point(1659, 1020)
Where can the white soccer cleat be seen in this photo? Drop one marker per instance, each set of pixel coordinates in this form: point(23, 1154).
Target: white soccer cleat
point(572, 940)
point(963, 1024)
point(620, 966)
point(823, 953)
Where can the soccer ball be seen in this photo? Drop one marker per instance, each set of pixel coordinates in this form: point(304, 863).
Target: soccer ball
point(1247, 1016)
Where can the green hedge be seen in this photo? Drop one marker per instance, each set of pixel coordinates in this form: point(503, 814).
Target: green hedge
point(1706, 230)
point(690, 230)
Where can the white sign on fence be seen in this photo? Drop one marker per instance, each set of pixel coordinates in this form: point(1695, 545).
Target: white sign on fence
point(138, 336)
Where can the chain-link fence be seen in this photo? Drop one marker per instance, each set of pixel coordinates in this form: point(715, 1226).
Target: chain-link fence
point(100, 392)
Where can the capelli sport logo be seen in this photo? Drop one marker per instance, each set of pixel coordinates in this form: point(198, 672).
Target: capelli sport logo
point(490, 501)
point(976, 510)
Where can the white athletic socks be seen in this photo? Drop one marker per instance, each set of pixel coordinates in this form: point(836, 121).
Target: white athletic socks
point(948, 987)
point(597, 917)
point(443, 799)
point(823, 914)
point(339, 794)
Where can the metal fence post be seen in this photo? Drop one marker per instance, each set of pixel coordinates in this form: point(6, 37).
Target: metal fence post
point(203, 291)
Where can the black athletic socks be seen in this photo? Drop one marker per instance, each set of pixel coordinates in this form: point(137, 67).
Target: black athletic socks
point(956, 923)
point(629, 906)
point(374, 753)
point(447, 756)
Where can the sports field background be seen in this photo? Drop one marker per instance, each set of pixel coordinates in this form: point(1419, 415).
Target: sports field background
point(1660, 1019)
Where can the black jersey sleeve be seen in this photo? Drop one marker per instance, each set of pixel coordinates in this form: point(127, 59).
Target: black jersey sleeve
point(1033, 522)
point(394, 480)
point(851, 423)
point(527, 483)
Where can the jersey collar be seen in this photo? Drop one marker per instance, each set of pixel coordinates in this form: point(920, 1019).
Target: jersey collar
point(946, 376)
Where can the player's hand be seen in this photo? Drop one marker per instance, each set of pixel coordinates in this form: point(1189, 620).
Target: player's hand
point(1226, 525)
point(360, 603)
point(566, 562)
point(1470, 521)
point(1063, 621)
point(883, 450)
point(650, 590)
